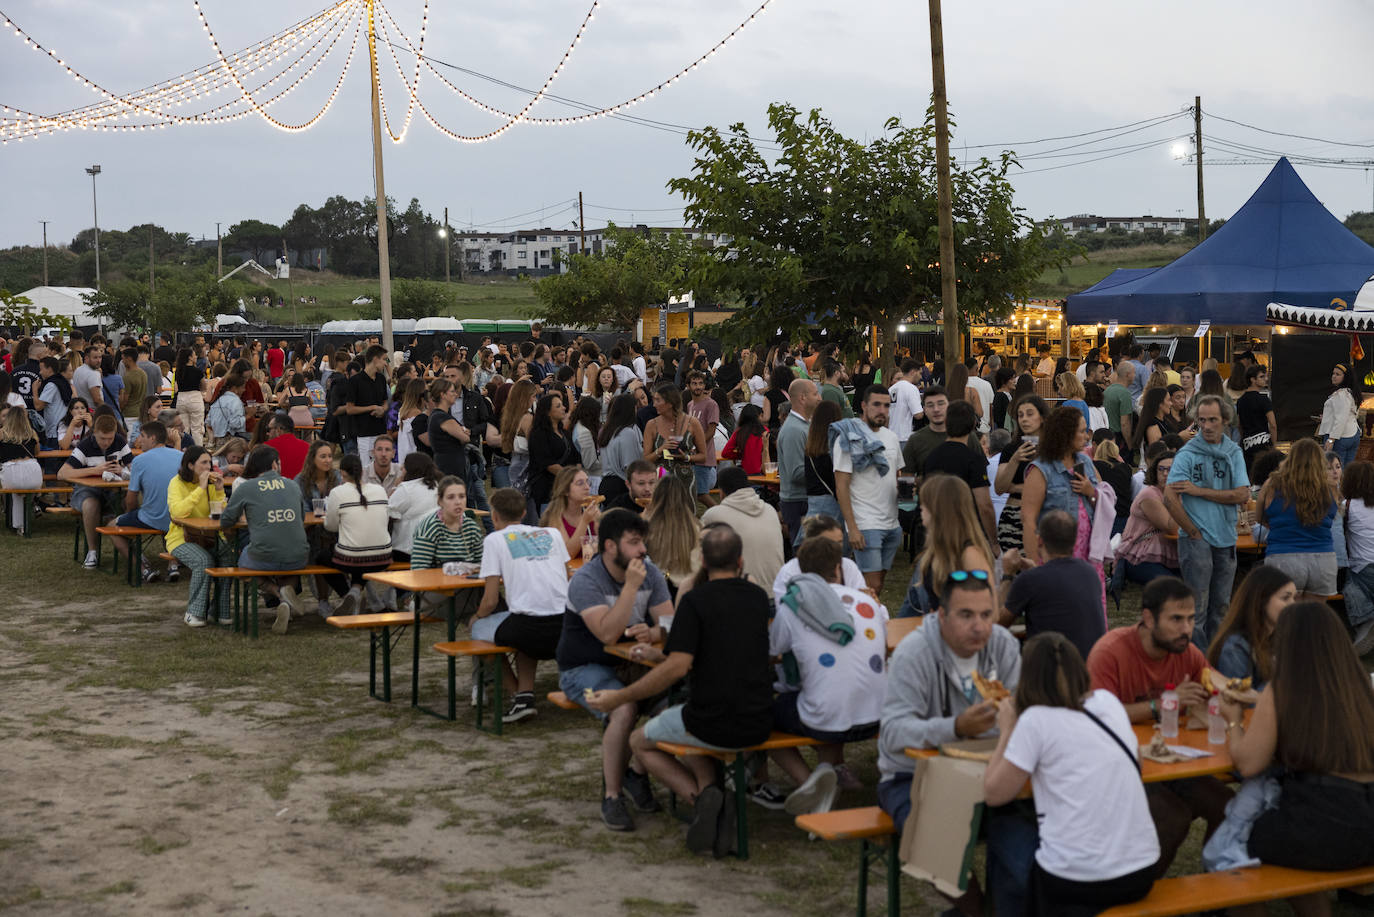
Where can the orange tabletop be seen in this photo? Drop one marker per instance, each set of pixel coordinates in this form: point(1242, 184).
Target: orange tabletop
point(1216, 763)
point(206, 524)
point(1245, 542)
point(768, 480)
point(900, 628)
point(626, 651)
point(432, 580)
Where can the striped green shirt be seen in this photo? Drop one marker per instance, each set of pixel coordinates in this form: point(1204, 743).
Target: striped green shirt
point(436, 544)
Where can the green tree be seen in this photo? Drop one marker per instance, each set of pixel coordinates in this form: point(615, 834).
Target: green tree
point(262, 239)
point(415, 299)
point(121, 304)
point(1361, 223)
point(841, 234)
point(18, 312)
point(635, 269)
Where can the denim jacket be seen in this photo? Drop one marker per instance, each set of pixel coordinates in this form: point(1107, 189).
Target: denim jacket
point(1059, 486)
point(864, 450)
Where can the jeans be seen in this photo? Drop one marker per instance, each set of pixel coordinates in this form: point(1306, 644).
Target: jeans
point(792, 513)
point(500, 475)
point(1143, 573)
point(477, 493)
point(1346, 448)
point(1210, 572)
point(828, 506)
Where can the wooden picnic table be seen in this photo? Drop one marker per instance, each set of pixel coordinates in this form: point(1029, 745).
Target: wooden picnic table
point(67, 453)
point(767, 480)
point(1216, 763)
point(432, 580)
point(626, 651)
point(899, 629)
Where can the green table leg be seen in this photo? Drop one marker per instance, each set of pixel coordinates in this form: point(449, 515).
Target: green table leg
point(386, 664)
point(741, 806)
point(894, 878)
point(452, 662)
point(253, 600)
point(418, 605)
point(28, 515)
point(862, 909)
point(136, 563)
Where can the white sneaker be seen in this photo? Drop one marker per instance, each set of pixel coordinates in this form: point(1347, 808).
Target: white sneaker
point(192, 621)
point(371, 600)
point(818, 788)
point(474, 694)
point(92, 560)
point(348, 605)
point(292, 599)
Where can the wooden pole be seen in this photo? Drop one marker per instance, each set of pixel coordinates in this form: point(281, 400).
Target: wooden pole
point(944, 192)
point(581, 226)
point(383, 254)
point(448, 259)
point(290, 287)
point(1197, 143)
point(152, 278)
point(219, 253)
point(45, 251)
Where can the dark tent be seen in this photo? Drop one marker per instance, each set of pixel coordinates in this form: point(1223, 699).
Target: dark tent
point(1282, 246)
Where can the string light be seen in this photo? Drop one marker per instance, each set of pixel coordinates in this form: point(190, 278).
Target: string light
point(253, 71)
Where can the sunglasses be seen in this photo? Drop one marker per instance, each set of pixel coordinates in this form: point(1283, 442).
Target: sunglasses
point(960, 576)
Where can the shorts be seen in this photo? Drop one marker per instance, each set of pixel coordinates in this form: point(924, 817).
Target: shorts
point(485, 628)
point(668, 727)
point(534, 635)
point(706, 477)
point(880, 549)
point(786, 718)
point(1314, 573)
point(134, 520)
point(80, 494)
point(574, 683)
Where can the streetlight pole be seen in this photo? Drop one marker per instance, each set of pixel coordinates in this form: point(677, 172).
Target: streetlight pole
point(45, 251)
point(383, 255)
point(93, 171)
point(448, 261)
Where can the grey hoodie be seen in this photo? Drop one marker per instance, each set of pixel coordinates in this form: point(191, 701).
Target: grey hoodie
point(757, 525)
point(919, 688)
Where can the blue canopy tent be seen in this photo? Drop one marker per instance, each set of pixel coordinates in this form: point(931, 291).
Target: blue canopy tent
point(1282, 246)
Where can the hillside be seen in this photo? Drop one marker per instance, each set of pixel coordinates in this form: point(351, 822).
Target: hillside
point(1086, 270)
point(502, 297)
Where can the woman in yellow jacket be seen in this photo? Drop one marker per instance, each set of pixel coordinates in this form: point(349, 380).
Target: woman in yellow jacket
point(189, 495)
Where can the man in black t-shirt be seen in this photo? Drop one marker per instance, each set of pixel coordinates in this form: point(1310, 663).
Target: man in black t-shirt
point(365, 400)
point(26, 373)
point(1255, 415)
point(957, 456)
point(1063, 594)
point(165, 351)
point(641, 477)
point(719, 642)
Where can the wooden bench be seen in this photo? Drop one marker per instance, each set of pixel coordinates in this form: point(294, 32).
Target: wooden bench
point(863, 825)
point(136, 533)
point(245, 607)
point(1235, 887)
point(379, 630)
point(27, 495)
point(484, 655)
point(737, 761)
point(560, 700)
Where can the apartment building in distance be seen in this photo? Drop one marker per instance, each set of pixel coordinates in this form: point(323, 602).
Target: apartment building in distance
point(1089, 222)
point(541, 252)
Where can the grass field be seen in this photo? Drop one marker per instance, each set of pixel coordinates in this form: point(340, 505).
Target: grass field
point(1086, 270)
point(497, 297)
point(140, 749)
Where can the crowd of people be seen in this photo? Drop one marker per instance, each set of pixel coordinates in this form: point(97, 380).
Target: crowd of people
point(738, 516)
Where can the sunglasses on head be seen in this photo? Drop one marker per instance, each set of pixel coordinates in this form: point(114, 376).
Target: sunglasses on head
point(960, 576)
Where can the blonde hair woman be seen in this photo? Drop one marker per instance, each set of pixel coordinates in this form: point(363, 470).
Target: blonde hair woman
point(572, 508)
point(957, 543)
point(19, 468)
point(1071, 390)
point(516, 420)
point(414, 402)
point(674, 539)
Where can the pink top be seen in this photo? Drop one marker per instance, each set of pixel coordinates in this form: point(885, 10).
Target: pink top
point(1141, 542)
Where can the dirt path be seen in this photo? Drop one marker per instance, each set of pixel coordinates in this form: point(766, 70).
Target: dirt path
point(146, 767)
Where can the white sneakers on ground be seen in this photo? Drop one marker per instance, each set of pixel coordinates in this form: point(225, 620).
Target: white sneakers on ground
point(817, 794)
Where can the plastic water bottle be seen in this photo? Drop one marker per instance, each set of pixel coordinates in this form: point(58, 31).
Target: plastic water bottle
point(1216, 723)
point(1168, 712)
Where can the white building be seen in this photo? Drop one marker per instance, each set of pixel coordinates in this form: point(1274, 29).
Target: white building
point(1088, 222)
point(62, 301)
point(544, 251)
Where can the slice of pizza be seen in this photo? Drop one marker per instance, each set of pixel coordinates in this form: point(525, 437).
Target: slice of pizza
point(990, 688)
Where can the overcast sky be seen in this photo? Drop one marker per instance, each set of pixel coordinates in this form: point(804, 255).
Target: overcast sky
point(1016, 72)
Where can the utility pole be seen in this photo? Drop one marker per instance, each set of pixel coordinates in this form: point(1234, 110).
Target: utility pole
point(448, 260)
point(383, 255)
point(93, 171)
point(45, 251)
point(290, 287)
point(944, 192)
point(1197, 146)
point(152, 277)
point(581, 226)
point(219, 257)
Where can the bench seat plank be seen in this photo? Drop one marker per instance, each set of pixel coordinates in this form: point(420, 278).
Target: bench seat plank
point(380, 619)
point(847, 824)
point(1234, 887)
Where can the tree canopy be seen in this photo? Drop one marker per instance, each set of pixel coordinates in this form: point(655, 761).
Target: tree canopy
point(838, 234)
point(634, 269)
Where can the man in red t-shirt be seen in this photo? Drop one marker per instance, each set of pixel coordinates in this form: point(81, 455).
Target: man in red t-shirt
point(276, 360)
point(289, 446)
point(1136, 663)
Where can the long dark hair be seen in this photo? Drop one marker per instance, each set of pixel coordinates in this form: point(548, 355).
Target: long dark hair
point(1053, 673)
point(1247, 616)
point(541, 413)
point(1322, 695)
point(621, 415)
point(1041, 408)
point(188, 461)
point(818, 432)
point(1352, 382)
point(1149, 410)
point(587, 412)
point(420, 467)
point(352, 467)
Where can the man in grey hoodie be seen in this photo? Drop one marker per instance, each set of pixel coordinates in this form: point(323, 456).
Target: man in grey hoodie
point(755, 521)
point(931, 700)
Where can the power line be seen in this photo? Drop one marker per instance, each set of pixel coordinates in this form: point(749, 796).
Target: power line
point(1262, 130)
point(1158, 119)
point(1136, 149)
